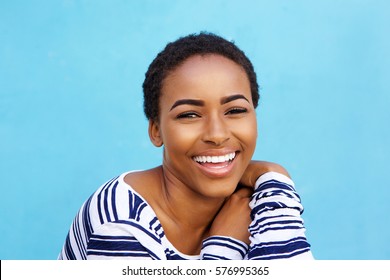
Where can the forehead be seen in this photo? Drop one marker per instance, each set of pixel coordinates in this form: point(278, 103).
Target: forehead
point(205, 73)
point(205, 63)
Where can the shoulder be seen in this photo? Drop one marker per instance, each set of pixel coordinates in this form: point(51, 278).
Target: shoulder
point(147, 183)
point(256, 169)
point(274, 172)
point(275, 167)
point(119, 199)
point(112, 200)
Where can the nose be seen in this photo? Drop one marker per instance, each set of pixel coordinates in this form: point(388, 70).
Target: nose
point(216, 131)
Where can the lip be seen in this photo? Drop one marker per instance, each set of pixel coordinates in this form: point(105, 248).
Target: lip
point(214, 159)
point(216, 152)
point(216, 170)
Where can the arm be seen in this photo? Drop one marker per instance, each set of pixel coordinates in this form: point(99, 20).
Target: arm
point(88, 240)
point(229, 230)
point(277, 229)
point(229, 236)
point(114, 223)
point(219, 247)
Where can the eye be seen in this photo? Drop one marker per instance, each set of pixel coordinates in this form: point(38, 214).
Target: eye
point(236, 111)
point(188, 115)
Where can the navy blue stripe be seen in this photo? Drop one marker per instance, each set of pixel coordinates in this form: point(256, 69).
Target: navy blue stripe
point(277, 192)
point(300, 238)
point(117, 247)
point(153, 221)
point(158, 227)
point(109, 245)
point(152, 254)
point(137, 204)
point(213, 257)
point(139, 211)
point(256, 222)
point(224, 245)
point(106, 210)
point(238, 244)
point(279, 228)
point(113, 201)
point(276, 196)
point(131, 203)
point(274, 184)
point(224, 239)
point(275, 257)
point(77, 236)
point(99, 198)
point(68, 249)
point(117, 237)
point(133, 224)
point(87, 219)
point(259, 209)
point(175, 257)
point(155, 224)
point(172, 255)
point(119, 254)
point(278, 249)
point(276, 223)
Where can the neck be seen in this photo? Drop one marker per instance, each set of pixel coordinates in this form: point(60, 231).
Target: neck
point(187, 208)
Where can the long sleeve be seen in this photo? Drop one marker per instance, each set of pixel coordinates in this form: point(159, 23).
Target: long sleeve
point(277, 230)
point(223, 248)
point(112, 241)
point(114, 223)
point(119, 239)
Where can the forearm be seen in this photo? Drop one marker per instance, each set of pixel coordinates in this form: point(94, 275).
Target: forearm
point(223, 248)
point(277, 230)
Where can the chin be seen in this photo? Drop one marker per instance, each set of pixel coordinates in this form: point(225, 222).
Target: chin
point(219, 190)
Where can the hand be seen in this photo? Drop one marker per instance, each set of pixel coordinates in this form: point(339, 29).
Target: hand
point(257, 168)
point(234, 217)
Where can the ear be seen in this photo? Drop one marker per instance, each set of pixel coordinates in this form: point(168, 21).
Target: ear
point(154, 133)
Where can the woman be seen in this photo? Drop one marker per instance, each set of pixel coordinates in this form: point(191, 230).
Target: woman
point(208, 199)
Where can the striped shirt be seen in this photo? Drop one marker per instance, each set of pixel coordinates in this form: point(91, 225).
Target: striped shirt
point(117, 223)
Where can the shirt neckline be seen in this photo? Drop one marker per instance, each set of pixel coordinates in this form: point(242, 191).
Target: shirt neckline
point(153, 215)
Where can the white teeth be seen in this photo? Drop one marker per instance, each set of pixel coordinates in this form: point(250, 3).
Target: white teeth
point(215, 159)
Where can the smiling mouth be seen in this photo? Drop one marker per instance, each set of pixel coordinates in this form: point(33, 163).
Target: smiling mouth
point(215, 160)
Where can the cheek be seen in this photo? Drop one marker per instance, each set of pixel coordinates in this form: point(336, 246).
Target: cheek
point(247, 132)
point(248, 127)
point(179, 138)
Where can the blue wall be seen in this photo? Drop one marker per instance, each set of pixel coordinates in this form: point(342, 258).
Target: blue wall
point(71, 108)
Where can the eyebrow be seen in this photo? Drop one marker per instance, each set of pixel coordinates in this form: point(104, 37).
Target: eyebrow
point(200, 103)
point(231, 98)
point(194, 102)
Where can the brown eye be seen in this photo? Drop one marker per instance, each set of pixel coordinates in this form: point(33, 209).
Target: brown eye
point(188, 115)
point(236, 111)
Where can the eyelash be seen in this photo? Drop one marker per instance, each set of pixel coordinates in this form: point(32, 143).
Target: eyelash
point(187, 115)
point(236, 110)
point(193, 115)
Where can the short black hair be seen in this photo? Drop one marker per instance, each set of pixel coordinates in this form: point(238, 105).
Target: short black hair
point(175, 53)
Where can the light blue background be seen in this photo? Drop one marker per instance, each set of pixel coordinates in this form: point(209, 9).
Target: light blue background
point(71, 108)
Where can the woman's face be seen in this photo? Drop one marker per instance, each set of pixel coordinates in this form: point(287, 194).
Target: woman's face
point(207, 124)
